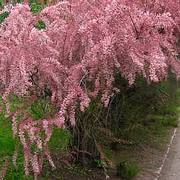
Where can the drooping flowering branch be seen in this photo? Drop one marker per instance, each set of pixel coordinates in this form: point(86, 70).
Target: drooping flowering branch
point(81, 45)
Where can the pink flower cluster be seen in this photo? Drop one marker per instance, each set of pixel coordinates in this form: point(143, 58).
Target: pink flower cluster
point(34, 129)
point(78, 52)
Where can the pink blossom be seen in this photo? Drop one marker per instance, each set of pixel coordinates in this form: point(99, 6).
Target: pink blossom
point(76, 55)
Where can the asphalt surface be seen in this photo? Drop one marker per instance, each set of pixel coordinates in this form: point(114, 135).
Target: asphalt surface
point(171, 168)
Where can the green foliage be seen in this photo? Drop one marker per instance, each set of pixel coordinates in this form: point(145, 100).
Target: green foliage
point(15, 102)
point(127, 170)
point(38, 110)
point(77, 170)
point(7, 147)
point(140, 115)
point(98, 163)
point(36, 8)
point(108, 152)
point(166, 120)
point(60, 140)
point(40, 25)
point(7, 143)
point(17, 173)
point(41, 109)
point(3, 15)
point(144, 111)
point(1, 3)
point(19, 1)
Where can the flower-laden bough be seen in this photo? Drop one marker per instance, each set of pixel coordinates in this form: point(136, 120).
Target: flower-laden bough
point(75, 52)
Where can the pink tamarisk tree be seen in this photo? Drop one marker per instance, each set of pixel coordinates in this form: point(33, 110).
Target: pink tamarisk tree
point(83, 42)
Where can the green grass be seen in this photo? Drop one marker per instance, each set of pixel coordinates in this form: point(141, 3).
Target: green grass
point(17, 173)
point(127, 170)
point(40, 109)
point(7, 148)
point(7, 143)
point(60, 140)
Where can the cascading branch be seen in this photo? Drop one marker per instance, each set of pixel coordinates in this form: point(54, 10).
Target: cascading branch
point(76, 46)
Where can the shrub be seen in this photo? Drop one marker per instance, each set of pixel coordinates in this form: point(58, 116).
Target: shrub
point(127, 170)
point(77, 56)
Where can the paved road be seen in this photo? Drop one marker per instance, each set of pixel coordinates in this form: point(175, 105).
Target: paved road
point(171, 169)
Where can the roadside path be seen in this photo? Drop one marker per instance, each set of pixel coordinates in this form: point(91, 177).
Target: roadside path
point(171, 168)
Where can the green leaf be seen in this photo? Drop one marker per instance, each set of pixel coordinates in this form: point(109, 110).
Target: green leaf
point(36, 8)
point(40, 25)
point(3, 16)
